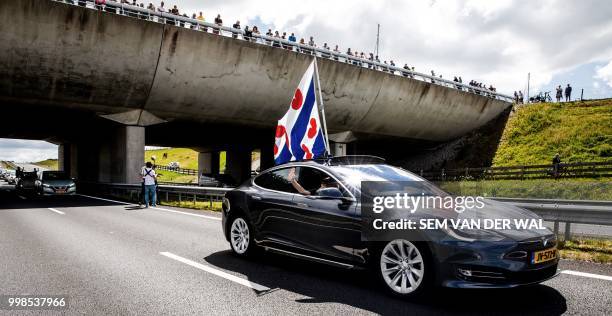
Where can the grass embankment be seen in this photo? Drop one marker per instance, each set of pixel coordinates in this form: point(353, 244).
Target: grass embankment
point(198, 205)
point(171, 176)
point(49, 164)
point(578, 131)
point(571, 189)
point(593, 250)
point(6, 165)
point(187, 158)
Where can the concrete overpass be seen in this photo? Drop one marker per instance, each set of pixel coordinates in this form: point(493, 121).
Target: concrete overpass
point(197, 89)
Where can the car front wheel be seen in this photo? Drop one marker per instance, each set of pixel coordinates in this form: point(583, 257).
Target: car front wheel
point(241, 239)
point(404, 268)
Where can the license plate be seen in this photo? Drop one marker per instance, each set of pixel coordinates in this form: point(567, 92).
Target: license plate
point(544, 255)
point(60, 191)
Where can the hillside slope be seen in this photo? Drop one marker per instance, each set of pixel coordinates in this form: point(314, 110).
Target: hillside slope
point(186, 157)
point(578, 131)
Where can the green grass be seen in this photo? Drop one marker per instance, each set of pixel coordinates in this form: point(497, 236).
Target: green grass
point(198, 205)
point(578, 131)
point(574, 189)
point(50, 164)
point(186, 157)
point(171, 176)
point(587, 249)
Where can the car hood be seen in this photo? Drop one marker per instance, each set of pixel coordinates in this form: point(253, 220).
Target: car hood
point(501, 210)
point(491, 210)
point(58, 183)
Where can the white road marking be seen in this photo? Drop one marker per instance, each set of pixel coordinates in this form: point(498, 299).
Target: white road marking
point(187, 213)
point(588, 275)
point(107, 200)
point(225, 275)
point(155, 208)
point(56, 211)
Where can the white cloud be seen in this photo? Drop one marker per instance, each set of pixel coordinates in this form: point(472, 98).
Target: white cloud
point(605, 74)
point(26, 150)
point(496, 42)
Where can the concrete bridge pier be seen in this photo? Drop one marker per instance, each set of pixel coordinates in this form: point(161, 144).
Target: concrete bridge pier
point(238, 163)
point(113, 155)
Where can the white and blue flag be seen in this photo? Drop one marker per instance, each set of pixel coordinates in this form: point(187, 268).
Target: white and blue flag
point(299, 134)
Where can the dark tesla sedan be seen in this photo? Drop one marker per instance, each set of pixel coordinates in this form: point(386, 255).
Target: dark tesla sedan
point(312, 210)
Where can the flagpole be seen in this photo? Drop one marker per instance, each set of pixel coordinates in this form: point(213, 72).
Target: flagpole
point(322, 107)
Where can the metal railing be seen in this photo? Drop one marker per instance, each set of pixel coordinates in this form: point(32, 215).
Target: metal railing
point(167, 193)
point(191, 172)
point(239, 34)
point(563, 170)
point(555, 211)
point(566, 211)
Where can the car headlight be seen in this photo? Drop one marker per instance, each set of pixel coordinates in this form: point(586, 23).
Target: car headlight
point(72, 185)
point(46, 185)
point(470, 235)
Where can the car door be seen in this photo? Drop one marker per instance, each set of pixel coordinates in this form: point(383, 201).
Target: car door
point(272, 204)
point(323, 224)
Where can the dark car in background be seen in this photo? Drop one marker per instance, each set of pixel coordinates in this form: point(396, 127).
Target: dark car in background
point(325, 225)
point(26, 183)
point(55, 183)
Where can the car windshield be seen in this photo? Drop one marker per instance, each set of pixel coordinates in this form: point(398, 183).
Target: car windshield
point(355, 174)
point(54, 176)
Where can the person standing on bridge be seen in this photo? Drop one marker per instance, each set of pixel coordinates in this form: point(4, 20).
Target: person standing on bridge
point(149, 178)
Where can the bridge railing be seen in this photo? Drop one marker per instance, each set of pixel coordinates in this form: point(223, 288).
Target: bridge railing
point(555, 211)
point(239, 34)
point(564, 170)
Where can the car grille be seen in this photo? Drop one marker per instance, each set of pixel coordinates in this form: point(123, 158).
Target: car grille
point(524, 249)
point(62, 188)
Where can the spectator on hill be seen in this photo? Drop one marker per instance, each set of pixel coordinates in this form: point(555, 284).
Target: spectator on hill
point(521, 97)
point(559, 94)
point(568, 93)
point(556, 162)
point(516, 98)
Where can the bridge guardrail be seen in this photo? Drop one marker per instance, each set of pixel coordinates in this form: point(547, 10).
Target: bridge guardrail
point(167, 18)
point(565, 170)
point(556, 211)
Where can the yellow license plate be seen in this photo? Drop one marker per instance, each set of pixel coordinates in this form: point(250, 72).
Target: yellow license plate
point(544, 255)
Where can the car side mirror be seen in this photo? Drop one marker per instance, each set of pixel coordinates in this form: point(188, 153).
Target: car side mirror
point(329, 193)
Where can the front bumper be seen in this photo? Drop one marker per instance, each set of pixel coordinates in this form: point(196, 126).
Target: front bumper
point(57, 191)
point(492, 264)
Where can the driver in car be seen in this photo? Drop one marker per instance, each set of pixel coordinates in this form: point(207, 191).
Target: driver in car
point(326, 182)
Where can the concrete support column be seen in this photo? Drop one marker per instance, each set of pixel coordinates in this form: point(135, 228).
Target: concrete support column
point(67, 159)
point(338, 149)
point(61, 157)
point(73, 167)
point(267, 156)
point(126, 155)
point(238, 164)
point(204, 163)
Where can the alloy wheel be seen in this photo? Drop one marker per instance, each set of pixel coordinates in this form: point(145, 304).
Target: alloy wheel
point(402, 266)
point(240, 236)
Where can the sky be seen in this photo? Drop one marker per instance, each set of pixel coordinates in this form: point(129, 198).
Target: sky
point(495, 42)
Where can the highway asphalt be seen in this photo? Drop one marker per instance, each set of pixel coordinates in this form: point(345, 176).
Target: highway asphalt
point(115, 258)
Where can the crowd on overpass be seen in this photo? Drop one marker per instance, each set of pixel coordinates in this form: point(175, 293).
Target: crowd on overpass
point(308, 46)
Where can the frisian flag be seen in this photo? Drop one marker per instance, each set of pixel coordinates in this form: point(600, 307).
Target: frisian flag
point(299, 134)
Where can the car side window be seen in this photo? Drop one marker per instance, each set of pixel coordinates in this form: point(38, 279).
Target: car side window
point(313, 180)
point(277, 180)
